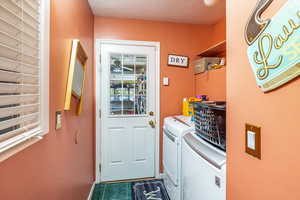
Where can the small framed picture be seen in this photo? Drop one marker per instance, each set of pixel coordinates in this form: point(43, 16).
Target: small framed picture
point(179, 61)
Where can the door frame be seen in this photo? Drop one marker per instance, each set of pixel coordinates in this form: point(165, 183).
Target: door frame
point(98, 120)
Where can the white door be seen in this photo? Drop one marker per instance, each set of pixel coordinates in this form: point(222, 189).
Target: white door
point(128, 112)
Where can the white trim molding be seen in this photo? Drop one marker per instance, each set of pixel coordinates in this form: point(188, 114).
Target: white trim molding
point(98, 44)
point(91, 191)
point(45, 65)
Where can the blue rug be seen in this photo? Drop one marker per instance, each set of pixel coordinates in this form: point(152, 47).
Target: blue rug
point(149, 190)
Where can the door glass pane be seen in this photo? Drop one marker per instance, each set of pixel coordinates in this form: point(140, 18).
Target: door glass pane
point(115, 97)
point(128, 84)
point(128, 64)
point(128, 97)
point(141, 64)
point(116, 64)
point(140, 94)
point(141, 84)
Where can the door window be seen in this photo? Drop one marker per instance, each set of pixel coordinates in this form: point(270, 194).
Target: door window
point(128, 84)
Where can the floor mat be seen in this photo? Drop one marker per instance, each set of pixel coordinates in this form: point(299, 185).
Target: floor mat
point(113, 191)
point(149, 190)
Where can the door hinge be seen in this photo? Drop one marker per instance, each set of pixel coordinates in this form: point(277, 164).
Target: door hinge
point(100, 59)
point(100, 113)
point(100, 168)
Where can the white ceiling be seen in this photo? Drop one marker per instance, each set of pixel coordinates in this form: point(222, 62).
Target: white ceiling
point(181, 11)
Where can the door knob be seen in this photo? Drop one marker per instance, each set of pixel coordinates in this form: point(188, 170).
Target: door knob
point(152, 123)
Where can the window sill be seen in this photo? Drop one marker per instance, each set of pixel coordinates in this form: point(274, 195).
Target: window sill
point(19, 147)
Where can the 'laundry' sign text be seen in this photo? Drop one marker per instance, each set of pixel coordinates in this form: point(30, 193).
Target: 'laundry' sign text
point(274, 45)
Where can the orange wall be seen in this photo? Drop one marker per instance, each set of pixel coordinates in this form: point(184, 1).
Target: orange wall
point(56, 168)
point(277, 175)
point(213, 83)
point(182, 39)
point(219, 31)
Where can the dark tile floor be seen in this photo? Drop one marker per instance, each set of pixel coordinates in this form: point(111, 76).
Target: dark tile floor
point(113, 191)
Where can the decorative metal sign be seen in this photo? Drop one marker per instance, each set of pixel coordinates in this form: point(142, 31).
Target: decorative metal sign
point(179, 61)
point(274, 44)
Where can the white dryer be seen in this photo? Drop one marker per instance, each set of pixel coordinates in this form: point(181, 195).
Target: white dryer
point(203, 170)
point(174, 129)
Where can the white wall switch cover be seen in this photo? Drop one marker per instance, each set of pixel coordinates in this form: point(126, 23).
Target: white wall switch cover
point(165, 81)
point(251, 140)
point(58, 123)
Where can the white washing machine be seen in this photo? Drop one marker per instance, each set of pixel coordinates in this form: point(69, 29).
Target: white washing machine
point(174, 129)
point(203, 170)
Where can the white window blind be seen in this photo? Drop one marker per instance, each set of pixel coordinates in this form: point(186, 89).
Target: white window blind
point(20, 71)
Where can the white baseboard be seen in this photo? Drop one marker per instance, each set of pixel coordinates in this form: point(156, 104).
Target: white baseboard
point(91, 191)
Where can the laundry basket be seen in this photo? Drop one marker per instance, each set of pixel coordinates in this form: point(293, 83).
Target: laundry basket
point(210, 122)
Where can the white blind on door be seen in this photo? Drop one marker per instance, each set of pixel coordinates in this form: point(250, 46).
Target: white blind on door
point(19, 67)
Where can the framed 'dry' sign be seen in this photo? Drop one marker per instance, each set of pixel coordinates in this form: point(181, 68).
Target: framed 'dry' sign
point(179, 61)
point(274, 44)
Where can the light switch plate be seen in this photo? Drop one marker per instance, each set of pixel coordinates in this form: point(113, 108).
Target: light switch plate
point(251, 140)
point(165, 81)
point(58, 123)
point(253, 143)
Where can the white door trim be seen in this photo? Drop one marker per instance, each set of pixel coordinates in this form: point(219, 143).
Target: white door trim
point(98, 120)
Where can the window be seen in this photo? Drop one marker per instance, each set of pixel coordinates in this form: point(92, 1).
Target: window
point(128, 85)
point(24, 49)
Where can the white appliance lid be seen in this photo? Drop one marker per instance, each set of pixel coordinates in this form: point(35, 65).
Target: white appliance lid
point(177, 127)
point(186, 119)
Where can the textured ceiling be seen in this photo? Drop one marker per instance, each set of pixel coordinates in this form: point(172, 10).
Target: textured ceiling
point(181, 11)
